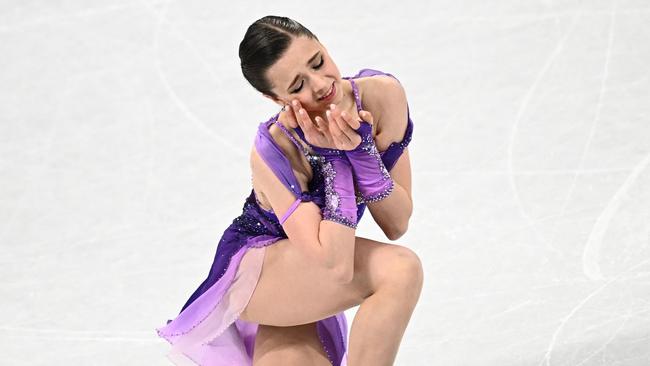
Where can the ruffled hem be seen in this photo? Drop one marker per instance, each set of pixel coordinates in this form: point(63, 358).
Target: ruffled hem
point(209, 332)
point(203, 334)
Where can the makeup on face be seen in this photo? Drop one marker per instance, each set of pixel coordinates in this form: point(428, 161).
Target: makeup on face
point(330, 96)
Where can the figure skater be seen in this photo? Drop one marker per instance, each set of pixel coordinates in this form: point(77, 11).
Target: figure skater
point(288, 267)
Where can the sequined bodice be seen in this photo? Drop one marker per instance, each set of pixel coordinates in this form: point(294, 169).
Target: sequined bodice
point(315, 184)
point(257, 220)
point(257, 227)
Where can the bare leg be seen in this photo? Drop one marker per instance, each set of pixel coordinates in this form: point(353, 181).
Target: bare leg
point(387, 282)
point(381, 320)
point(297, 345)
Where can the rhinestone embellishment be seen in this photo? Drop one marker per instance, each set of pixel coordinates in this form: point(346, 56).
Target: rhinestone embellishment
point(332, 198)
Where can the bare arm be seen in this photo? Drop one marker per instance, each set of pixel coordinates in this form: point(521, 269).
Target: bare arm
point(325, 243)
point(393, 213)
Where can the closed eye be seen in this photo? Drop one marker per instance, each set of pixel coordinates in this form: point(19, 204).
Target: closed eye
point(322, 61)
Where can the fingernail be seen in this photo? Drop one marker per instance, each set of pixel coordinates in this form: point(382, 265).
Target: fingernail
point(332, 106)
point(295, 102)
point(328, 113)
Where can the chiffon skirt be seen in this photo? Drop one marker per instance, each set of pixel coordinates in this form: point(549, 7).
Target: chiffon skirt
point(209, 331)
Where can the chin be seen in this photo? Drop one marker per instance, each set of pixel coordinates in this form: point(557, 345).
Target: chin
point(322, 105)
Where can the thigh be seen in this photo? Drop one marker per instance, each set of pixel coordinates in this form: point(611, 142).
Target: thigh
point(292, 291)
point(291, 346)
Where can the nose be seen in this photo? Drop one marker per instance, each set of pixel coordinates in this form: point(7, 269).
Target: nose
point(321, 86)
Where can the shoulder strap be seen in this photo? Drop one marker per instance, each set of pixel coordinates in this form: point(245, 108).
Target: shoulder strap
point(395, 149)
point(371, 72)
point(275, 159)
point(355, 90)
point(281, 167)
point(286, 132)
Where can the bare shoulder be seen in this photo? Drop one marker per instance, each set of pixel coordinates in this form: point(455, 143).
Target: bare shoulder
point(299, 164)
point(384, 97)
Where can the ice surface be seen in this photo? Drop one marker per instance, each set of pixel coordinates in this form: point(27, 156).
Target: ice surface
point(530, 160)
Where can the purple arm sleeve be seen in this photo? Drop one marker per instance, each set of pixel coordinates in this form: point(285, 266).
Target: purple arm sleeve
point(340, 199)
point(372, 178)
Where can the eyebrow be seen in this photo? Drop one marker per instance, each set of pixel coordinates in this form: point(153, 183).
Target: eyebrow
point(308, 62)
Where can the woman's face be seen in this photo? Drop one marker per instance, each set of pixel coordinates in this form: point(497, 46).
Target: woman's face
point(305, 72)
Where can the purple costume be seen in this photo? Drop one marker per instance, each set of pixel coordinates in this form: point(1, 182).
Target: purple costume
point(208, 331)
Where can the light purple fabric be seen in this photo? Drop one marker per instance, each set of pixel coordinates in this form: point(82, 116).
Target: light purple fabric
point(395, 149)
point(204, 333)
point(255, 228)
point(372, 178)
point(290, 210)
point(340, 200)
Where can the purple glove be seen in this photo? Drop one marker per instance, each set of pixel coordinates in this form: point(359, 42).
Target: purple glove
point(373, 180)
point(340, 200)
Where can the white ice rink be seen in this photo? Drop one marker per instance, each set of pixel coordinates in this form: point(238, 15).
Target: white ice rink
point(125, 128)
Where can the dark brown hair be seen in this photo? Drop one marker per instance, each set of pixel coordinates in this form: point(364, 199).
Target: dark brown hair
point(264, 43)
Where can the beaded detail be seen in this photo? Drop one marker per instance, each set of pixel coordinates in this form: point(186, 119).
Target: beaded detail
point(256, 221)
point(381, 195)
point(369, 147)
point(293, 139)
point(320, 165)
point(401, 145)
point(356, 94)
point(332, 199)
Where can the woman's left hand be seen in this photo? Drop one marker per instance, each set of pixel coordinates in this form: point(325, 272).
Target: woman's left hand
point(340, 129)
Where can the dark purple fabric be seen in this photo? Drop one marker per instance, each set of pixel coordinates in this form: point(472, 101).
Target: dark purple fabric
point(395, 149)
point(256, 223)
point(370, 174)
point(340, 200)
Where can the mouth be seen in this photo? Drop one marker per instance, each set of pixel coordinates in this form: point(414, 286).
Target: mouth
point(330, 94)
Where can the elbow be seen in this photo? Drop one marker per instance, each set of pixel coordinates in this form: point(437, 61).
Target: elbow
point(396, 231)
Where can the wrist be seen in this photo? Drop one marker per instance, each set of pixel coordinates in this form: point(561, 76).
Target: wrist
point(373, 179)
point(340, 200)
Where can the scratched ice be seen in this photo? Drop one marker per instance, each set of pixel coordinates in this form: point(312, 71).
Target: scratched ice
point(530, 171)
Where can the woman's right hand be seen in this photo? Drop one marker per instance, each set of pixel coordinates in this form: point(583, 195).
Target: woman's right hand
point(337, 133)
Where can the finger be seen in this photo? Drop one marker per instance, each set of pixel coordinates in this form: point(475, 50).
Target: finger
point(321, 124)
point(301, 114)
point(366, 116)
point(342, 124)
point(312, 133)
point(324, 129)
point(348, 124)
point(340, 138)
point(300, 117)
point(352, 124)
point(291, 118)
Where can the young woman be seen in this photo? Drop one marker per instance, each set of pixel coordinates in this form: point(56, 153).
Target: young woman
point(288, 267)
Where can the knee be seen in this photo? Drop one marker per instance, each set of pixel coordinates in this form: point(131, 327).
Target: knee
point(408, 271)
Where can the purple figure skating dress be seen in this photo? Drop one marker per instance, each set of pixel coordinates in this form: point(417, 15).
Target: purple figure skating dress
point(208, 330)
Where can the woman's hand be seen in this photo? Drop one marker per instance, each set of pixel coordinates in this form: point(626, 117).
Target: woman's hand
point(338, 132)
